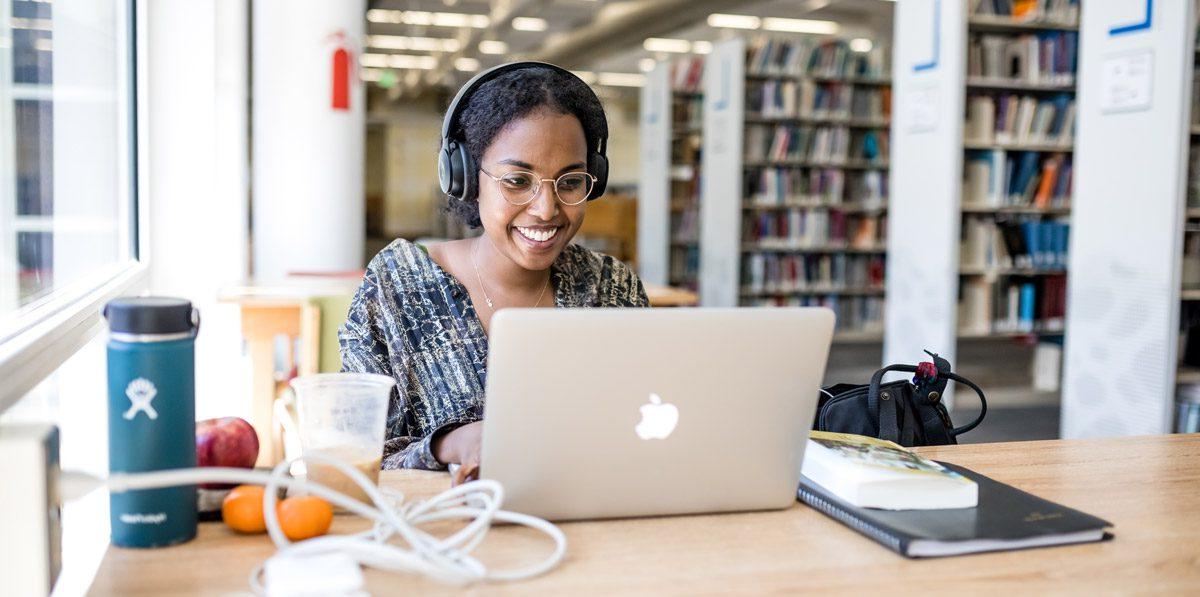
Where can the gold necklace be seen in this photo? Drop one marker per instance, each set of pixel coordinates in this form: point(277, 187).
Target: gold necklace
point(483, 288)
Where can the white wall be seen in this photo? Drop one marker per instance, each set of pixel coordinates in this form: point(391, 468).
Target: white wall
point(1127, 219)
point(197, 198)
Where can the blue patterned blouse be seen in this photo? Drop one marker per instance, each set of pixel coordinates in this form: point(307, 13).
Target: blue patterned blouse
point(412, 320)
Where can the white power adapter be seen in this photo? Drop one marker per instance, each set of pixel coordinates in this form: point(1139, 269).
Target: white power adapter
point(30, 515)
point(318, 575)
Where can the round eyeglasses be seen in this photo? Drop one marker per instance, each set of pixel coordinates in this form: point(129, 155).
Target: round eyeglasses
point(520, 187)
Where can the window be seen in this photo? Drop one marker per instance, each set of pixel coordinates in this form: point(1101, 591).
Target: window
point(68, 175)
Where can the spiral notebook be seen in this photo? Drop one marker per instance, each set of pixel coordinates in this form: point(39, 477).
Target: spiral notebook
point(1005, 519)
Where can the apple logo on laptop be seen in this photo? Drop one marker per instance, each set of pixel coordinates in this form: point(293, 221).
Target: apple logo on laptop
point(658, 419)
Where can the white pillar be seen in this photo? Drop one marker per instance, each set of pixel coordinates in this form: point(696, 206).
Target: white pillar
point(1135, 73)
point(307, 151)
point(926, 179)
point(654, 184)
point(197, 199)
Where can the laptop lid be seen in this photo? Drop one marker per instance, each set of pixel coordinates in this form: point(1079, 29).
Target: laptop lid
point(596, 413)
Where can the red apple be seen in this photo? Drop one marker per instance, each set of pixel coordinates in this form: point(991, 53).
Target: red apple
point(227, 441)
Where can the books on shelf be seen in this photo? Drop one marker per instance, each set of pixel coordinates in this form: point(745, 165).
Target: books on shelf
point(867, 472)
point(1012, 305)
point(1009, 118)
point(814, 179)
point(685, 225)
point(685, 267)
point(821, 144)
point(1031, 244)
point(786, 98)
point(687, 120)
point(687, 113)
point(775, 273)
point(855, 314)
point(1062, 11)
point(798, 228)
point(773, 56)
point(780, 186)
point(999, 178)
point(1193, 190)
point(687, 74)
point(1046, 58)
point(869, 188)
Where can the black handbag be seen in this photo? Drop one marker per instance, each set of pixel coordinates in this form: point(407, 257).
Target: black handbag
point(909, 413)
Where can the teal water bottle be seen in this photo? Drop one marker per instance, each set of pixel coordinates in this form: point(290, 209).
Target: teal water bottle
point(151, 415)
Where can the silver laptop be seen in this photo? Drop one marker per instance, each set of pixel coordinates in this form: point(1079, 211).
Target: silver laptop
point(604, 413)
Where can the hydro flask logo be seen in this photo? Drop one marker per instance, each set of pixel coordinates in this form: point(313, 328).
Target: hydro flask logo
point(140, 392)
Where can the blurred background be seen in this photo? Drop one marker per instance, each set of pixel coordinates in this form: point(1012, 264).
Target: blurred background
point(963, 176)
point(1012, 184)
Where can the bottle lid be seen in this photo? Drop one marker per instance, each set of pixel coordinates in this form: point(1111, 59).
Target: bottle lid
point(149, 315)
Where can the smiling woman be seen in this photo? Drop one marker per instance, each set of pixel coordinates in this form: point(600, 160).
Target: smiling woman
point(523, 154)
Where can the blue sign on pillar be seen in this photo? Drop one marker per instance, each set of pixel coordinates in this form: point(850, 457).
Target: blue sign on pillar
point(1144, 25)
point(723, 102)
point(932, 63)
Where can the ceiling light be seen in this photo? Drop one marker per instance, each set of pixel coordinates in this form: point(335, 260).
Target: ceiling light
point(529, 24)
point(378, 15)
point(411, 61)
point(491, 46)
point(702, 47)
point(647, 64)
point(588, 76)
point(467, 65)
point(800, 26)
point(659, 44)
point(373, 60)
point(425, 18)
point(419, 44)
point(861, 44)
point(622, 79)
point(733, 21)
point(458, 19)
point(397, 61)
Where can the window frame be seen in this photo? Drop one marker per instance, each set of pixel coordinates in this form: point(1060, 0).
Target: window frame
point(57, 327)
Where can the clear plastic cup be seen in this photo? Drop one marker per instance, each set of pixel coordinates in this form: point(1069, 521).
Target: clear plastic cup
point(343, 415)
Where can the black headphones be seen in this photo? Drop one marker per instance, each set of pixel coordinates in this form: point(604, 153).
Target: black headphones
point(457, 171)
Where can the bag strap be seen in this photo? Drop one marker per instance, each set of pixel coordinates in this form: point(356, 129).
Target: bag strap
point(889, 427)
point(957, 431)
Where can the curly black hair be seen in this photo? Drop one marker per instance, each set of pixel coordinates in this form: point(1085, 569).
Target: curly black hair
point(514, 95)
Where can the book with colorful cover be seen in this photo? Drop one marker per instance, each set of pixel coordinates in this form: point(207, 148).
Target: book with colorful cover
point(874, 473)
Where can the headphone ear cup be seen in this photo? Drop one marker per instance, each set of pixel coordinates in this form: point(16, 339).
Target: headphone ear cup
point(599, 169)
point(446, 172)
point(469, 176)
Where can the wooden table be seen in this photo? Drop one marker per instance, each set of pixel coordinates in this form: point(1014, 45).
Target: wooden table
point(1148, 487)
point(670, 296)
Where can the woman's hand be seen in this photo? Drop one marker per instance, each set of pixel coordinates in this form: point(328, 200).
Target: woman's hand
point(461, 445)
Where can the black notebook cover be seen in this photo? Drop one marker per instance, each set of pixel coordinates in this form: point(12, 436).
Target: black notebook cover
point(1006, 518)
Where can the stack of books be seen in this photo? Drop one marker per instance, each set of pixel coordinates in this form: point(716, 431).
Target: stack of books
point(920, 508)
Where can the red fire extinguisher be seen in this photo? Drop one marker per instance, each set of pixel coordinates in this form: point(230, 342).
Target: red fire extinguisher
point(340, 73)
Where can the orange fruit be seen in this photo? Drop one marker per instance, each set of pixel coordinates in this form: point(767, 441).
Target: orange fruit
point(242, 509)
point(304, 517)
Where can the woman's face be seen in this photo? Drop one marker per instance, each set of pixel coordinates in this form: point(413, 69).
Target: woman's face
point(549, 144)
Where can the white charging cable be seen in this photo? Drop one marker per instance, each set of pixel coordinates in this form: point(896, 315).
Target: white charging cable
point(447, 560)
